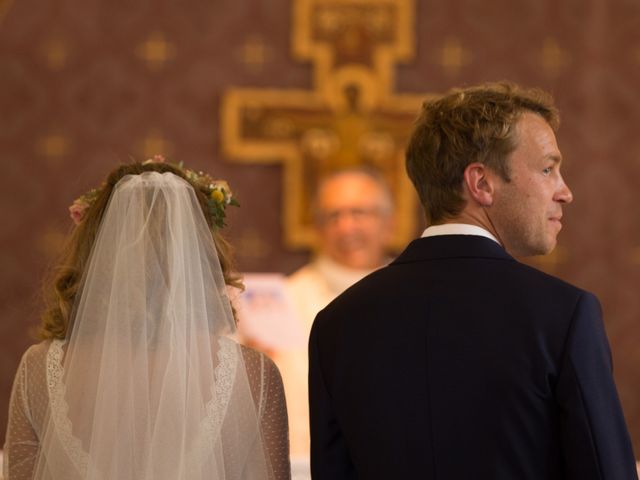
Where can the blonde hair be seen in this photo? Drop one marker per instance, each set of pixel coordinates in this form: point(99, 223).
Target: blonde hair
point(475, 124)
point(62, 285)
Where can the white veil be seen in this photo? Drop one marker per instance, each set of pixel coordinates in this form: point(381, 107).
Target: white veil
point(148, 385)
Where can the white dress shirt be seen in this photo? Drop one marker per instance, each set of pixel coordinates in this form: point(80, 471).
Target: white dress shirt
point(457, 229)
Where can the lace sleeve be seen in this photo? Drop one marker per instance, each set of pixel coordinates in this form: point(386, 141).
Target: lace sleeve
point(274, 421)
point(21, 445)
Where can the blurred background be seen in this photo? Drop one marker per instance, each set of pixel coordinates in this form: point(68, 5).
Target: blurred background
point(270, 93)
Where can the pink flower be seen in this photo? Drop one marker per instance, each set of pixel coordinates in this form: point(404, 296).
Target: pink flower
point(77, 211)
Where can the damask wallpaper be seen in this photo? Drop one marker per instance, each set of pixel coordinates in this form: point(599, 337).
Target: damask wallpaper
point(86, 85)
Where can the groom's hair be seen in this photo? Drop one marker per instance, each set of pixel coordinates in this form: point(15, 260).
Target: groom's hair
point(464, 126)
point(63, 282)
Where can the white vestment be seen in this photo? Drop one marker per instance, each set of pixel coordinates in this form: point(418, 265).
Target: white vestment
point(311, 288)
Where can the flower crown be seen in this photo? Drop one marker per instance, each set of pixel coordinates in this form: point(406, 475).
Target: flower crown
point(218, 194)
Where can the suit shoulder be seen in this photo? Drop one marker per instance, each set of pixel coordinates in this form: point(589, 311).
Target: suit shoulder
point(372, 286)
point(532, 274)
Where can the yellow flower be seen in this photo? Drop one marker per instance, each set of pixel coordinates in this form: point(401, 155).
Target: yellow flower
point(217, 195)
point(222, 185)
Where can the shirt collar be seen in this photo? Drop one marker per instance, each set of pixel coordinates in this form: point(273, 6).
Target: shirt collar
point(457, 229)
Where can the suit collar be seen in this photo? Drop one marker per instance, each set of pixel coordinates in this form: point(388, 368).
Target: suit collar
point(452, 246)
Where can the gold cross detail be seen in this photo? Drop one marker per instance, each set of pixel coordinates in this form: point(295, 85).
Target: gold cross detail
point(53, 145)
point(254, 53)
point(55, 51)
point(454, 56)
point(154, 144)
point(553, 57)
point(51, 242)
point(253, 245)
point(156, 51)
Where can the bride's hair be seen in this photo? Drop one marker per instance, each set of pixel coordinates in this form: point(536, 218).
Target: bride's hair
point(64, 280)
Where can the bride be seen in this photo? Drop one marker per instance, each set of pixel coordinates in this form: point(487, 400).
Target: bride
point(136, 377)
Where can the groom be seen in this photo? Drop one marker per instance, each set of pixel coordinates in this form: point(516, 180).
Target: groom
point(457, 361)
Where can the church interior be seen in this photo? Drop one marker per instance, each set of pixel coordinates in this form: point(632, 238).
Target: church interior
point(272, 94)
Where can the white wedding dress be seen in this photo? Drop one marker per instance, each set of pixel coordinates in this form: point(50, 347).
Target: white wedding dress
point(39, 388)
point(147, 384)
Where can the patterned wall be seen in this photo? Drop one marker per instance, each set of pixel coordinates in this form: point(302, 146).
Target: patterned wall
point(84, 85)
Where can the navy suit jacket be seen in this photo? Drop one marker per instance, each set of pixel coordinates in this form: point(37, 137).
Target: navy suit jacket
point(458, 362)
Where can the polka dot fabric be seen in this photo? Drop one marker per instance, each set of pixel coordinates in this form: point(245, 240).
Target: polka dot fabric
point(29, 406)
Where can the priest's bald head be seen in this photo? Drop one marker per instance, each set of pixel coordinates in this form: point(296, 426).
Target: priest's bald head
point(353, 217)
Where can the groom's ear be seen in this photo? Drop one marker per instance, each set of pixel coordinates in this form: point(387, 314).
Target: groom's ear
point(479, 184)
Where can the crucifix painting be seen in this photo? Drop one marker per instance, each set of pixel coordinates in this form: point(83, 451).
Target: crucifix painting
point(350, 117)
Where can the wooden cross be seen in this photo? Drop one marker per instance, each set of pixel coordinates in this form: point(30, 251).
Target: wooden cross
point(350, 117)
